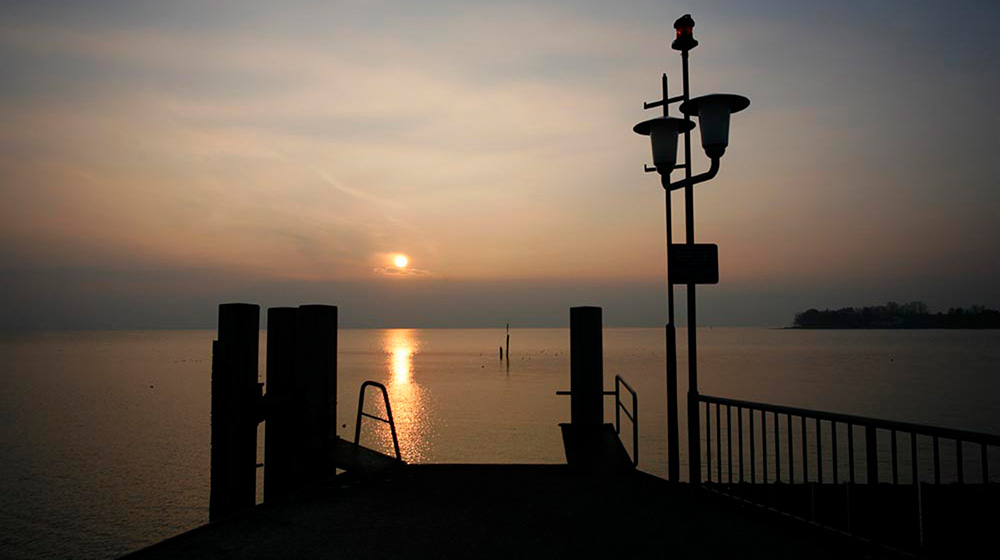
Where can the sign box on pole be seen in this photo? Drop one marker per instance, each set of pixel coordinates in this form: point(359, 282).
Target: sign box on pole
point(693, 263)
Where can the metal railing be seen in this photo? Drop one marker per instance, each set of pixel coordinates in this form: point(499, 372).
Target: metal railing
point(619, 407)
point(803, 470)
point(633, 416)
point(388, 412)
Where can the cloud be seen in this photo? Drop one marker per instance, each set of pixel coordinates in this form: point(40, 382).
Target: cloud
point(394, 271)
point(291, 144)
point(273, 162)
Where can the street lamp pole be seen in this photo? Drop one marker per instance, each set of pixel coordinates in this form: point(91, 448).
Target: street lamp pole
point(696, 263)
point(685, 44)
point(673, 430)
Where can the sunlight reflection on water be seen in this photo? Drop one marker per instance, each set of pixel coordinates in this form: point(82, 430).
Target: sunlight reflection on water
point(108, 442)
point(406, 396)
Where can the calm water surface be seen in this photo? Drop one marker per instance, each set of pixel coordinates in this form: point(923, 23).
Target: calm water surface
point(105, 435)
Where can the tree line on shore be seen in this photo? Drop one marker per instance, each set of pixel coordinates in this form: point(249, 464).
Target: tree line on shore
point(892, 315)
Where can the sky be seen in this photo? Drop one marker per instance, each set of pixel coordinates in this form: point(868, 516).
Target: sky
point(160, 158)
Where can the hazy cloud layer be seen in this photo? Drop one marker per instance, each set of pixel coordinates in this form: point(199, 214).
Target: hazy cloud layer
point(162, 155)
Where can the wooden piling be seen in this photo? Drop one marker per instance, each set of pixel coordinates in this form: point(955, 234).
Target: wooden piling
point(586, 358)
point(280, 426)
point(508, 343)
point(235, 411)
point(316, 386)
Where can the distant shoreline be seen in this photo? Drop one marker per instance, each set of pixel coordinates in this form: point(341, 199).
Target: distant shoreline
point(909, 316)
point(928, 328)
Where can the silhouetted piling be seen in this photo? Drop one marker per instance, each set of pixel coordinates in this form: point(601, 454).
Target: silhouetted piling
point(508, 343)
point(316, 382)
point(586, 359)
point(280, 428)
point(235, 411)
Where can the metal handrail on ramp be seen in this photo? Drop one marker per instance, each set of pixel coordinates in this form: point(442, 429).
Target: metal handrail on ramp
point(619, 408)
point(633, 416)
point(388, 412)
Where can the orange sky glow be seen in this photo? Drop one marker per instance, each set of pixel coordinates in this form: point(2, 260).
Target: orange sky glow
point(491, 144)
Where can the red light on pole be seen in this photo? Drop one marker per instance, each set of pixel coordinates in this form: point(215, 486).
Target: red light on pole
point(685, 40)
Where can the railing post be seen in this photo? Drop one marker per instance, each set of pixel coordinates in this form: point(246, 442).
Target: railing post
point(871, 454)
point(763, 439)
point(753, 450)
point(618, 405)
point(708, 442)
point(739, 434)
point(729, 441)
point(850, 451)
point(235, 403)
point(694, 438)
point(635, 427)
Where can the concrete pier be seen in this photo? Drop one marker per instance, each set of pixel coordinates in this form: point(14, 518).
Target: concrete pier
point(503, 511)
point(595, 506)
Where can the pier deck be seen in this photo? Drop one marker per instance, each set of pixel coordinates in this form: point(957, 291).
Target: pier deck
point(502, 511)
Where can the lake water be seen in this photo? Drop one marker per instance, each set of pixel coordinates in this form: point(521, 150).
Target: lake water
point(105, 436)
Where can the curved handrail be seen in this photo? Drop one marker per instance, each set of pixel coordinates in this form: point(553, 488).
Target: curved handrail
point(388, 412)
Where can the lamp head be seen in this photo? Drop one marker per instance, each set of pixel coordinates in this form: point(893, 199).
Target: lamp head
point(685, 40)
point(713, 113)
point(663, 132)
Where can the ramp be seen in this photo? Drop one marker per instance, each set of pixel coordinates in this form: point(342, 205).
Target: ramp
point(355, 458)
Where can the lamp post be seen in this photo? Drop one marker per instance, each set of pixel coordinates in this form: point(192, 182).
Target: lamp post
point(689, 264)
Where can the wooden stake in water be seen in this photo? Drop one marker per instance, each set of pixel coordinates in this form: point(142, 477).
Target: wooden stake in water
point(508, 343)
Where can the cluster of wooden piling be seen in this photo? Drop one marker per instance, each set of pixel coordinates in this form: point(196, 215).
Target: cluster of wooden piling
point(300, 406)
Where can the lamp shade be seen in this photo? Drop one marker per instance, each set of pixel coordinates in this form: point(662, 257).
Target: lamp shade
point(663, 132)
point(713, 113)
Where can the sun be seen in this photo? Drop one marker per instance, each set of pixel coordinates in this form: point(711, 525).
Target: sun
point(401, 261)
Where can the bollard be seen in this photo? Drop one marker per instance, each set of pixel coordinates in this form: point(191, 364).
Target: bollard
point(280, 426)
point(586, 359)
point(315, 386)
point(235, 411)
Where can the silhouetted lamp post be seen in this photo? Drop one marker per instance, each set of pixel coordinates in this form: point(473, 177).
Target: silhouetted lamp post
point(688, 264)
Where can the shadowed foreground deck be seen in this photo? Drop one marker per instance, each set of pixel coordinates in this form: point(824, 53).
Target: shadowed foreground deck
point(501, 511)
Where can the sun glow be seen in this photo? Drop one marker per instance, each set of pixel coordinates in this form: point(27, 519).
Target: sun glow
point(400, 261)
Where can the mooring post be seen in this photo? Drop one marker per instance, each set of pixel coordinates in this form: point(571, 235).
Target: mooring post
point(235, 411)
point(282, 409)
point(316, 390)
point(586, 364)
